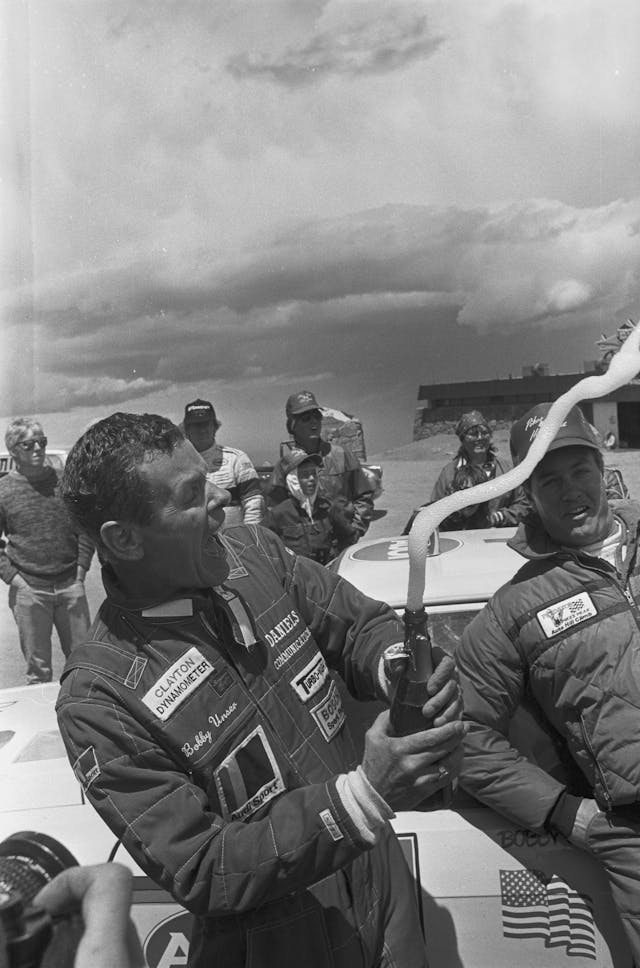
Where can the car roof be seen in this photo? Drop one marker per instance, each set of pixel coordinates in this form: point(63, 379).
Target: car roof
point(469, 568)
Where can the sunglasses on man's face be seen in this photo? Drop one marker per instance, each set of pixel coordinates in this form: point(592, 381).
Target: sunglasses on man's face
point(477, 434)
point(29, 445)
point(310, 415)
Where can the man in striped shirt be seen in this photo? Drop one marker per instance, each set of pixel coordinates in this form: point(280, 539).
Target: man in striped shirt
point(228, 467)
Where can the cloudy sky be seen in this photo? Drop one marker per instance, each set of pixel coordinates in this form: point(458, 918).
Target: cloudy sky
point(239, 200)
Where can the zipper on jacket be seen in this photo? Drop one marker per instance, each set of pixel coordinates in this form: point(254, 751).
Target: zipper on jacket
point(587, 743)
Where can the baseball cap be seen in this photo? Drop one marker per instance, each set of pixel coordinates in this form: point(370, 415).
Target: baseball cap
point(301, 403)
point(468, 420)
point(199, 411)
point(294, 457)
point(576, 431)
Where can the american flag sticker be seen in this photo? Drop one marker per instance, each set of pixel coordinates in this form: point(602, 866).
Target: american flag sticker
point(536, 906)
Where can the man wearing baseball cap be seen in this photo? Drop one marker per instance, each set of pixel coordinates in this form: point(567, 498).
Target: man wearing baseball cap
point(565, 634)
point(228, 467)
point(341, 477)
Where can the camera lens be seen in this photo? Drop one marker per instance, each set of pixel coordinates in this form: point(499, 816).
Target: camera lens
point(30, 860)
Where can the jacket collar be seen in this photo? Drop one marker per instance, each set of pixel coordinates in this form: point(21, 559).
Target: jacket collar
point(532, 541)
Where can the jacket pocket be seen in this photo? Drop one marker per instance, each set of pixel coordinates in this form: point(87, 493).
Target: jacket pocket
point(601, 781)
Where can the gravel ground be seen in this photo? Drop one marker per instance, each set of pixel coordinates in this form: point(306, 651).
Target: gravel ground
point(409, 473)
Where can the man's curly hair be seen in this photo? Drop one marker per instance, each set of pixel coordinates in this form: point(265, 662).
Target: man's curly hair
point(101, 480)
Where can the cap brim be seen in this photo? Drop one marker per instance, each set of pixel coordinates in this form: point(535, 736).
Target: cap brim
point(559, 442)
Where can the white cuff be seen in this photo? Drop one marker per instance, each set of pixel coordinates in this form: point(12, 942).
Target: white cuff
point(368, 810)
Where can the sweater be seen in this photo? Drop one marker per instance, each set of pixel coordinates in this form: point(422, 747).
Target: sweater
point(40, 541)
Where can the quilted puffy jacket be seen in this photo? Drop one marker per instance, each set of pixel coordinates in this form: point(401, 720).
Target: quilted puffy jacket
point(340, 476)
point(208, 732)
point(565, 631)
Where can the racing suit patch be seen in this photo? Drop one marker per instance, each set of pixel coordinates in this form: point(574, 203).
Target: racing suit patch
point(178, 682)
point(564, 615)
point(248, 777)
point(86, 768)
point(312, 678)
point(331, 824)
point(329, 713)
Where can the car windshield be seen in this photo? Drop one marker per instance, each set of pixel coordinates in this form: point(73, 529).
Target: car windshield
point(446, 628)
point(43, 746)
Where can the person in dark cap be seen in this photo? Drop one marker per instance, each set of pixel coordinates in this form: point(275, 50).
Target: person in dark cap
point(563, 636)
point(477, 461)
point(228, 467)
point(307, 522)
point(342, 481)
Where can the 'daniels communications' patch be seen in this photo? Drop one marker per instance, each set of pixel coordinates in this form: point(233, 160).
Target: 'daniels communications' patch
point(86, 768)
point(564, 615)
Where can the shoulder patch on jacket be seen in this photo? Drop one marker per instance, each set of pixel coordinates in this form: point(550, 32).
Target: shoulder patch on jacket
point(564, 615)
point(86, 768)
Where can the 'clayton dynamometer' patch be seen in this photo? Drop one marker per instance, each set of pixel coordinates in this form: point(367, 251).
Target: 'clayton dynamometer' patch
point(178, 682)
point(564, 615)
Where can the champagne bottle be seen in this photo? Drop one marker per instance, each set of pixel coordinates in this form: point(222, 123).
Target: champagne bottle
point(410, 693)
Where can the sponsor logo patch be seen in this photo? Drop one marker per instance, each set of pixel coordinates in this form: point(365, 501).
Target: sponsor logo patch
point(249, 777)
point(178, 682)
point(290, 650)
point(309, 680)
point(86, 768)
point(282, 628)
point(329, 713)
point(331, 824)
point(564, 615)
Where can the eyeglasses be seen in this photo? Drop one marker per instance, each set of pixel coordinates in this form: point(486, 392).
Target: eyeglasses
point(309, 415)
point(29, 445)
point(477, 433)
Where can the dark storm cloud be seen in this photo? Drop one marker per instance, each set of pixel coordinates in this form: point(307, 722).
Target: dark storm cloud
point(327, 293)
point(364, 39)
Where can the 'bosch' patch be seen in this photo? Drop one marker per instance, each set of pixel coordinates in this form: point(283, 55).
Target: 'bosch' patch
point(312, 678)
point(86, 768)
point(249, 777)
point(329, 713)
point(564, 615)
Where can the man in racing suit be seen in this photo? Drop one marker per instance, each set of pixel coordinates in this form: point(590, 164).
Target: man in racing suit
point(341, 476)
point(563, 636)
point(205, 725)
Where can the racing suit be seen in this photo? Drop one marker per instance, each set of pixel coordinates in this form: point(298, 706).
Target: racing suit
point(209, 734)
point(564, 635)
point(341, 478)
